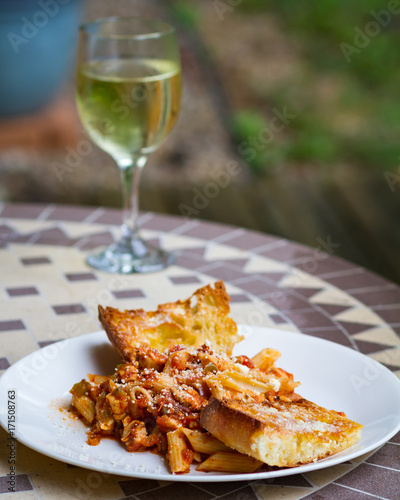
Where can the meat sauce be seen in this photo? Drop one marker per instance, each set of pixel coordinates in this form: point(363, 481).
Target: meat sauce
point(150, 396)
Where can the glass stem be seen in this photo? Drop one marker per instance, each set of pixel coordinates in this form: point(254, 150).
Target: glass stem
point(130, 170)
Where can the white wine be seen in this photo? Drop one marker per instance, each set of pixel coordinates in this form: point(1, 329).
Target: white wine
point(128, 106)
point(128, 85)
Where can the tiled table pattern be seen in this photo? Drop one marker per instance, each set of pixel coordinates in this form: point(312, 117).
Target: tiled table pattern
point(48, 293)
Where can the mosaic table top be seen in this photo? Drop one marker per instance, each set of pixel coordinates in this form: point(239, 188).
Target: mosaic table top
point(45, 284)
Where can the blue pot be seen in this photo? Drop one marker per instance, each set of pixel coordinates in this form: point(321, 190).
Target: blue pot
point(37, 48)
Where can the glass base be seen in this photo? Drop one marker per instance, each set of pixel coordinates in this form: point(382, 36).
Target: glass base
point(137, 256)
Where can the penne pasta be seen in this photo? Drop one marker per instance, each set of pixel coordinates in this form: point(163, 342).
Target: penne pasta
point(180, 456)
point(265, 358)
point(229, 461)
point(204, 443)
point(197, 457)
point(239, 382)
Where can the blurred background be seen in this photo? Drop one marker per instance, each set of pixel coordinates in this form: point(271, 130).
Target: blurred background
point(290, 120)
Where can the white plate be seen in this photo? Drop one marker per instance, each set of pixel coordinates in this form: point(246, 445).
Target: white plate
point(331, 375)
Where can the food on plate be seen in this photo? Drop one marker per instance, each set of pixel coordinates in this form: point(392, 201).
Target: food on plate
point(154, 401)
point(181, 393)
point(203, 316)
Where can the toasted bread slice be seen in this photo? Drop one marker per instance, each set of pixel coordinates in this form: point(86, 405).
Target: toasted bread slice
point(283, 433)
point(202, 317)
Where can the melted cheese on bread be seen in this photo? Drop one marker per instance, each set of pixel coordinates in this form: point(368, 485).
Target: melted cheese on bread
point(280, 433)
point(191, 322)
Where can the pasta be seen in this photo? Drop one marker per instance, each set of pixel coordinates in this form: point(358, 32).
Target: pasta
point(179, 454)
point(204, 443)
point(265, 358)
point(154, 402)
point(228, 461)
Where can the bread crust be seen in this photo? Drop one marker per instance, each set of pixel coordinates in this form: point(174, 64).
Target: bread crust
point(201, 317)
point(284, 434)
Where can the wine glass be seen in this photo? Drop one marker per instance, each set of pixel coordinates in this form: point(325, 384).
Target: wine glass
point(128, 97)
